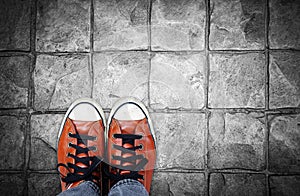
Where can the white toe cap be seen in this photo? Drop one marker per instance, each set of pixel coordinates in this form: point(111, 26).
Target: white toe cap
point(84, 112)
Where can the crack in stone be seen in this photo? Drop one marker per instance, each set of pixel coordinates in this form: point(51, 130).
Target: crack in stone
point(260, 93)
point(47, 144)
point(113, 96)
point(223, 132)
point(131, 15)
point(279, 72)
point(57, 80)
point(222, 28)
point(212, 9)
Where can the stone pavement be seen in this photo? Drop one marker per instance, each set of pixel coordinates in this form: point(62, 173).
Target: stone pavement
point(220, 77)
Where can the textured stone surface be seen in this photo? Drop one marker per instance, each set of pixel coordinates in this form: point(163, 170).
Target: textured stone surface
point(12, 134)
point(59, 80)
point(237, 81)
point(11, 184)
point(120, 25)
point(44, 133)
point(63, 25)
point(237, 24)
point(176, 184)
point(14, 25)
point(208, 108)
point(120, 74)
point(284, 185)
point(178, 25)
point(284, 150)
point(177, 80)
point(180, 140)
point(39, 184)
point(236, 140)
point(237, 184)
point(284, 79)
point(284, 24)
point(14, 81)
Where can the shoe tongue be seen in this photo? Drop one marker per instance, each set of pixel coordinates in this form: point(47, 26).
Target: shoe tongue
point(128, 126)
point(83, 127)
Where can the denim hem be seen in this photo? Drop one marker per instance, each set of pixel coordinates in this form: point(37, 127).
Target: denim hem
point(128, 187)
point(127, 182)
point(93, 186)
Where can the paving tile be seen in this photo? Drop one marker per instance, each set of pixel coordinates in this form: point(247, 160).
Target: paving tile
point(284, 79)
point(120, 74)
point(236, 140)
point(237, 81)
point(178, 184)
point(284, 24)
point(12, 135)
point(63, 25)
point(59, 80)
point(284, 146)
point(120, 25)
point(178, 25)
point(180, 140)
point(12, 184)
point(177, 80)
point(44, 133)
point(14, 81)
point(14, 25)
point(237, 184)
point(39, 184)
point(284, 185)
point(237, 24)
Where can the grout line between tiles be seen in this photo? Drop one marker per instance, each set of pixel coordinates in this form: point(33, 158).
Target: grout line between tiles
point(206, 90)
point(207, 63)
point(149, 9)
point(267, 95)
point(19, 52)
point(267, 55)
point(91, 56)
point(30, 104)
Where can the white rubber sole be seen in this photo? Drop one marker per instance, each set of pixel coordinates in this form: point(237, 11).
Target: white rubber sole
point(130, 100)
point(76, 103)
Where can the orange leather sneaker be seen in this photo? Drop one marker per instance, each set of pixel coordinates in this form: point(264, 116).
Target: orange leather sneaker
point(131, 152)
point(81, 143)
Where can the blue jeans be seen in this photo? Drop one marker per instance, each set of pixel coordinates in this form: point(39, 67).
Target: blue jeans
point(123, 187)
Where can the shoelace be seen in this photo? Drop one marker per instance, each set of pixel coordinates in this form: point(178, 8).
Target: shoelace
point(128, 167)
point(80, 173)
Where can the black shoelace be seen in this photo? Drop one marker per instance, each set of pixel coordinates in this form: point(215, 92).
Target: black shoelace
point(132, 168)
point(80, 173)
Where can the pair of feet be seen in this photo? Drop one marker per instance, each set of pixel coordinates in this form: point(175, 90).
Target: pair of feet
point(89, 149)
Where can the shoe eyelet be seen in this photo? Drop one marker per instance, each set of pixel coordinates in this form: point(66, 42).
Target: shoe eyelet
point(69, 144)
point(113, 136)
point(69, 134)
point(95, 149)
point(96, 138)
point(141, 147)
